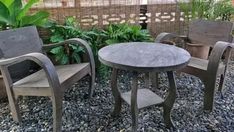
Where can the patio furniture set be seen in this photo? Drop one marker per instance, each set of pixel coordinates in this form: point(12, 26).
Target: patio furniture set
point(24, 44)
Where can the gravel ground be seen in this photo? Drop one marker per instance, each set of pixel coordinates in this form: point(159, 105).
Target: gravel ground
point(94, 115)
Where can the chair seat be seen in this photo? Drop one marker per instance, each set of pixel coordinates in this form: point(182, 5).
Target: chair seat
point(198, 63)
point(198, 67)
point(37, 83)
point(201, 64)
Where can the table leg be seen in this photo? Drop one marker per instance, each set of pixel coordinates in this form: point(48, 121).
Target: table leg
point(134, 108)
point(169, 101)
point(147, 80)
point(116, 93)
point(154, 79)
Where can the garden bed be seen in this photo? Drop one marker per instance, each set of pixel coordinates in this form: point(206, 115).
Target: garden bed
point(83, 115)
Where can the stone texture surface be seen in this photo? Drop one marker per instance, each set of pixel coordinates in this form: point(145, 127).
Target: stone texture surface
point(144, 56)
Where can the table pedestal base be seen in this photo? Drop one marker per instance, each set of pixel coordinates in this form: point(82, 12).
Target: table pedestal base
point(141, 98)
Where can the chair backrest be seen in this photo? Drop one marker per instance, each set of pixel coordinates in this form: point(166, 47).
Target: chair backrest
point(16, 42)
point(209, 32)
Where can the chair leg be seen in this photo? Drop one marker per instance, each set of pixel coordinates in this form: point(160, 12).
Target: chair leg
point(170, 100)
point(222, 82)
point(209, 94)
point(154, 79)
point(147, 80)
point(134, 108)
point(91, 85)
point(57, 113)
point(13, 102)
point(116, 93)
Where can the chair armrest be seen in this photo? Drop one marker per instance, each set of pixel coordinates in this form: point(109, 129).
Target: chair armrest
point(216, 55)
point(41, 60)
point(164, 37)
point(79, 42)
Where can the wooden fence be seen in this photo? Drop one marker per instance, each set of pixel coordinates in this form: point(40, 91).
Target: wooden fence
point(155, 15)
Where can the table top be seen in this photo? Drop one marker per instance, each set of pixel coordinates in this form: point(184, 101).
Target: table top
point(144, 56)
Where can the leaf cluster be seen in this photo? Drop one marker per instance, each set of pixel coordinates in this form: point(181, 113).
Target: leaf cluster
point(13, 14)
point(59, 33)
point(207, 9)
point(117, 33)
point(97, 38)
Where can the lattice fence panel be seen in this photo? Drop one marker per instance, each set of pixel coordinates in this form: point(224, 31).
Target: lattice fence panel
point(93, 12)
point(164, 16)
point(156, 15)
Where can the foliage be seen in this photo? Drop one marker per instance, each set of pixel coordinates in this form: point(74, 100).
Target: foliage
point(71, 29)
point(117, 33)
point(207, 9)
point(59, 33)
point(13, 14)
point(97, 38)
point(222, 10)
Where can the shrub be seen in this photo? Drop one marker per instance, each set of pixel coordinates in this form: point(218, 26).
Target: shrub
point(97, 38)
point(117, 33)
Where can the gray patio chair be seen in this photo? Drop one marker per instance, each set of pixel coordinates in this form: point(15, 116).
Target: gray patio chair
point(213, 34)
point(22, 44)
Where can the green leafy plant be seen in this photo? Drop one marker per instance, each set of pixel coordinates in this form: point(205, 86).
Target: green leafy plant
point(97, 38)
point(71, 53)
point(117, 33)
point(207, 9)
point(13, 14)
point(71, 29)
point(222, 10)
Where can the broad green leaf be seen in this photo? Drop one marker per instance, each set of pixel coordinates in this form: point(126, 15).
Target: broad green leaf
point(56, 38)
point(112, 41)
point(14, 10)
point(26, 8)
point(58, 57)
point(35, 19)
point(74, 47)
point(4, 13)
point(57, 50)
point(7, 3)
point(76, 57)
point(64, 60)
point(15, 7)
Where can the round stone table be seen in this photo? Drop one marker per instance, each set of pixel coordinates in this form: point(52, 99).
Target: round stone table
point(144, 57)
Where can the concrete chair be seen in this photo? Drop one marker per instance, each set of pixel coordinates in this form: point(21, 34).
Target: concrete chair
point(18, 45)
point(214, 34)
